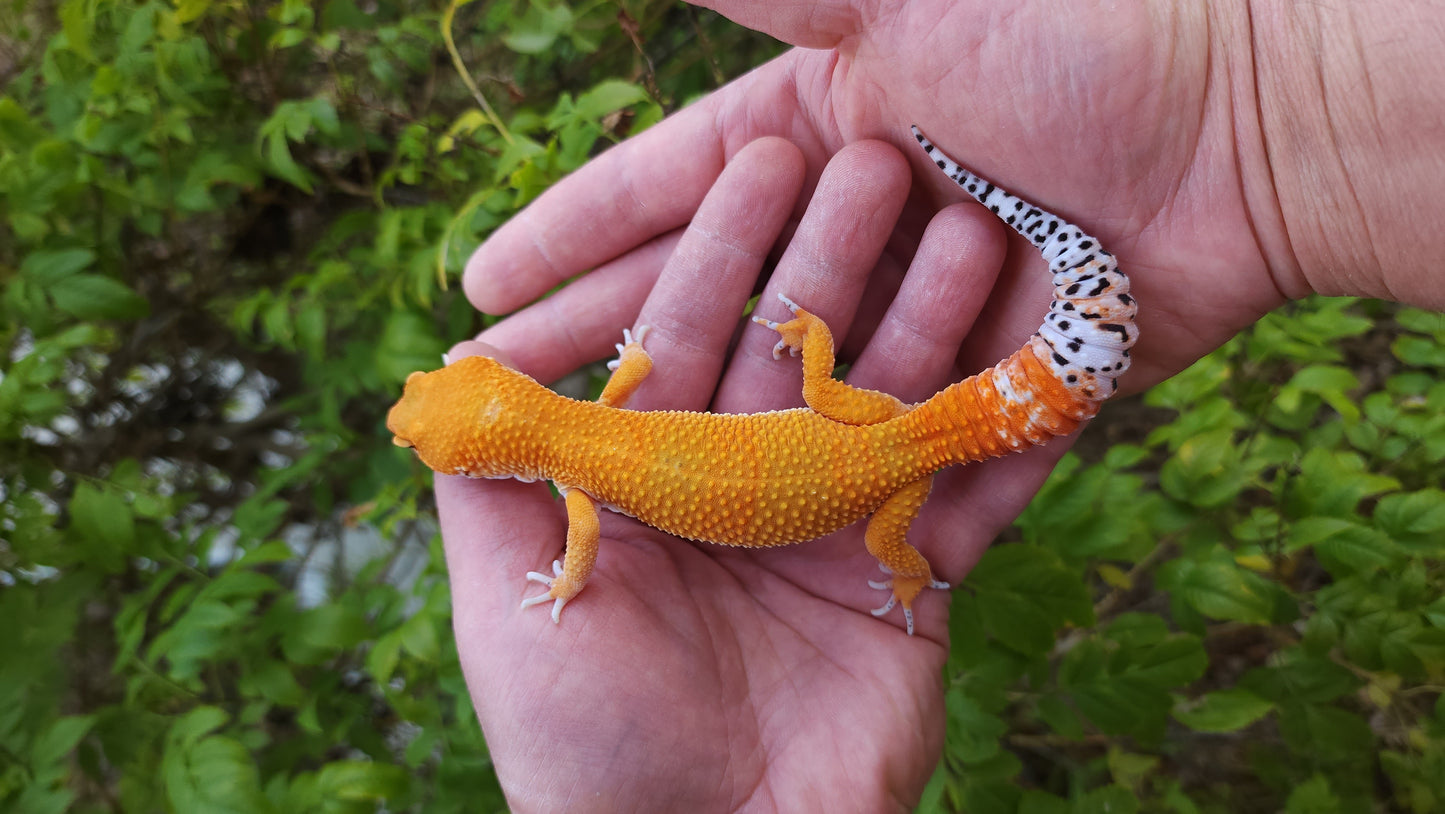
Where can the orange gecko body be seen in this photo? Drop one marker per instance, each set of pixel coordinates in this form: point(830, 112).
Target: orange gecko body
point(788, 476)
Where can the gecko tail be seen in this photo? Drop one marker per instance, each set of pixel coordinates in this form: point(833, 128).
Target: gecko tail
point(1073, 361)
point(1090, 325)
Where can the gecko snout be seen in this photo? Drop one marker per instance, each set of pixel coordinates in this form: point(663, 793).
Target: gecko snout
point(405, 417)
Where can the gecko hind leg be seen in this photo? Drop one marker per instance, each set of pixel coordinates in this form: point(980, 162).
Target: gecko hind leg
point(538, 576)
point(886, 539)
point(808, 334)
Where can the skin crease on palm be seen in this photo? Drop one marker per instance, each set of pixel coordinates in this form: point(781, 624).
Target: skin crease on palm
point(696, 677)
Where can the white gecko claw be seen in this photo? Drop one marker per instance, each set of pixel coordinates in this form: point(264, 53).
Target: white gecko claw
point(773, 326)
point(537, 576)
point(887, 585)
point(887, 606)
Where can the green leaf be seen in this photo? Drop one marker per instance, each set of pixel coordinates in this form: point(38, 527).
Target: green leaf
point(59, 740)
point(1207, 470)
point(323, 630)
point(293, 120)
point(104, 522)
point(1025, 593)
point(1122, 680)
point(362, 781)
point(973, 732)
point(382, 658)
point(287, 37)
point(214, 774)
point(1300, 677)
point(1419, 351)
point(1342, 544)
point(92, 296)
point(1414, 517)
point(1332, 483)
point(194, 725)
point(1313, 797)
point(1327, 733)
point(408, 343)
point(1131, 770)
point(1220, 589)
point(271, 552)
point(1333, 384)
point(607, 97)
point(1223, 711)
point(1111, 799)
point(77, 19)
point(275, 681)
point(419, 637)
point(538, 28)
point(1034, 801)
point(49, 266)
point(191, 10)
point(1056, 712)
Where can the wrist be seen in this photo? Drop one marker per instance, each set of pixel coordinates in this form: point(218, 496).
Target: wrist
point(1345, 174)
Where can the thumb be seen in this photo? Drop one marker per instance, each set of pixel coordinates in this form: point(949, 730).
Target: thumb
point(494, 531)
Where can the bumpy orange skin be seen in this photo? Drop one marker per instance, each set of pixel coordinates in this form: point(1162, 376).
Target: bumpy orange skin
point(765, 479)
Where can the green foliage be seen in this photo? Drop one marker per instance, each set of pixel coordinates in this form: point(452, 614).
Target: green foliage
point(227, 232)
point(1264, 589)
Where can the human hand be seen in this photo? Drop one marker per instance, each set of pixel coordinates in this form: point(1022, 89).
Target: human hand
point(1121, 123)
point(696, 677)
point(703, 677)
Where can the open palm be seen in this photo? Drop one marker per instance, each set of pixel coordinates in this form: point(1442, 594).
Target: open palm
point(708, 678)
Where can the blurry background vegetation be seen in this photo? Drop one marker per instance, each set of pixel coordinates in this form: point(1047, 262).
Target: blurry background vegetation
point(229, 229)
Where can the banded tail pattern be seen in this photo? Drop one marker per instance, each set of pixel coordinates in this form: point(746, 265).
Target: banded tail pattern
point(1072, 362)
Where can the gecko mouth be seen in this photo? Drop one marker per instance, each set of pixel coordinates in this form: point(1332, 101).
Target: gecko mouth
point(402, 419)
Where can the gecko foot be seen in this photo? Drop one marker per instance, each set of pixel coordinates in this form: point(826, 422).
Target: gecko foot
point(791, 331)
point(628, 340)
point(537, 576)
point(904, 590)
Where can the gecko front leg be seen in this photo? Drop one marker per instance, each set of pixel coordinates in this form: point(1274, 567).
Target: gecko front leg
point(570, 576)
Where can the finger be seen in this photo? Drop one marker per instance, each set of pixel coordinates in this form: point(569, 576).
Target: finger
point(493, 533)
point(825, 268)
point(912, 353)
point(462, 350)
point(819, 24)
point(580, 323)
point(642, 188)
point(699, 298)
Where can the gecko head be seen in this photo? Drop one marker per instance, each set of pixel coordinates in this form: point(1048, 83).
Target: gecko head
point(446, 415)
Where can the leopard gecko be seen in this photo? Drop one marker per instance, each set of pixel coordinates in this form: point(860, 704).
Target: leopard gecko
point(787, 476)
